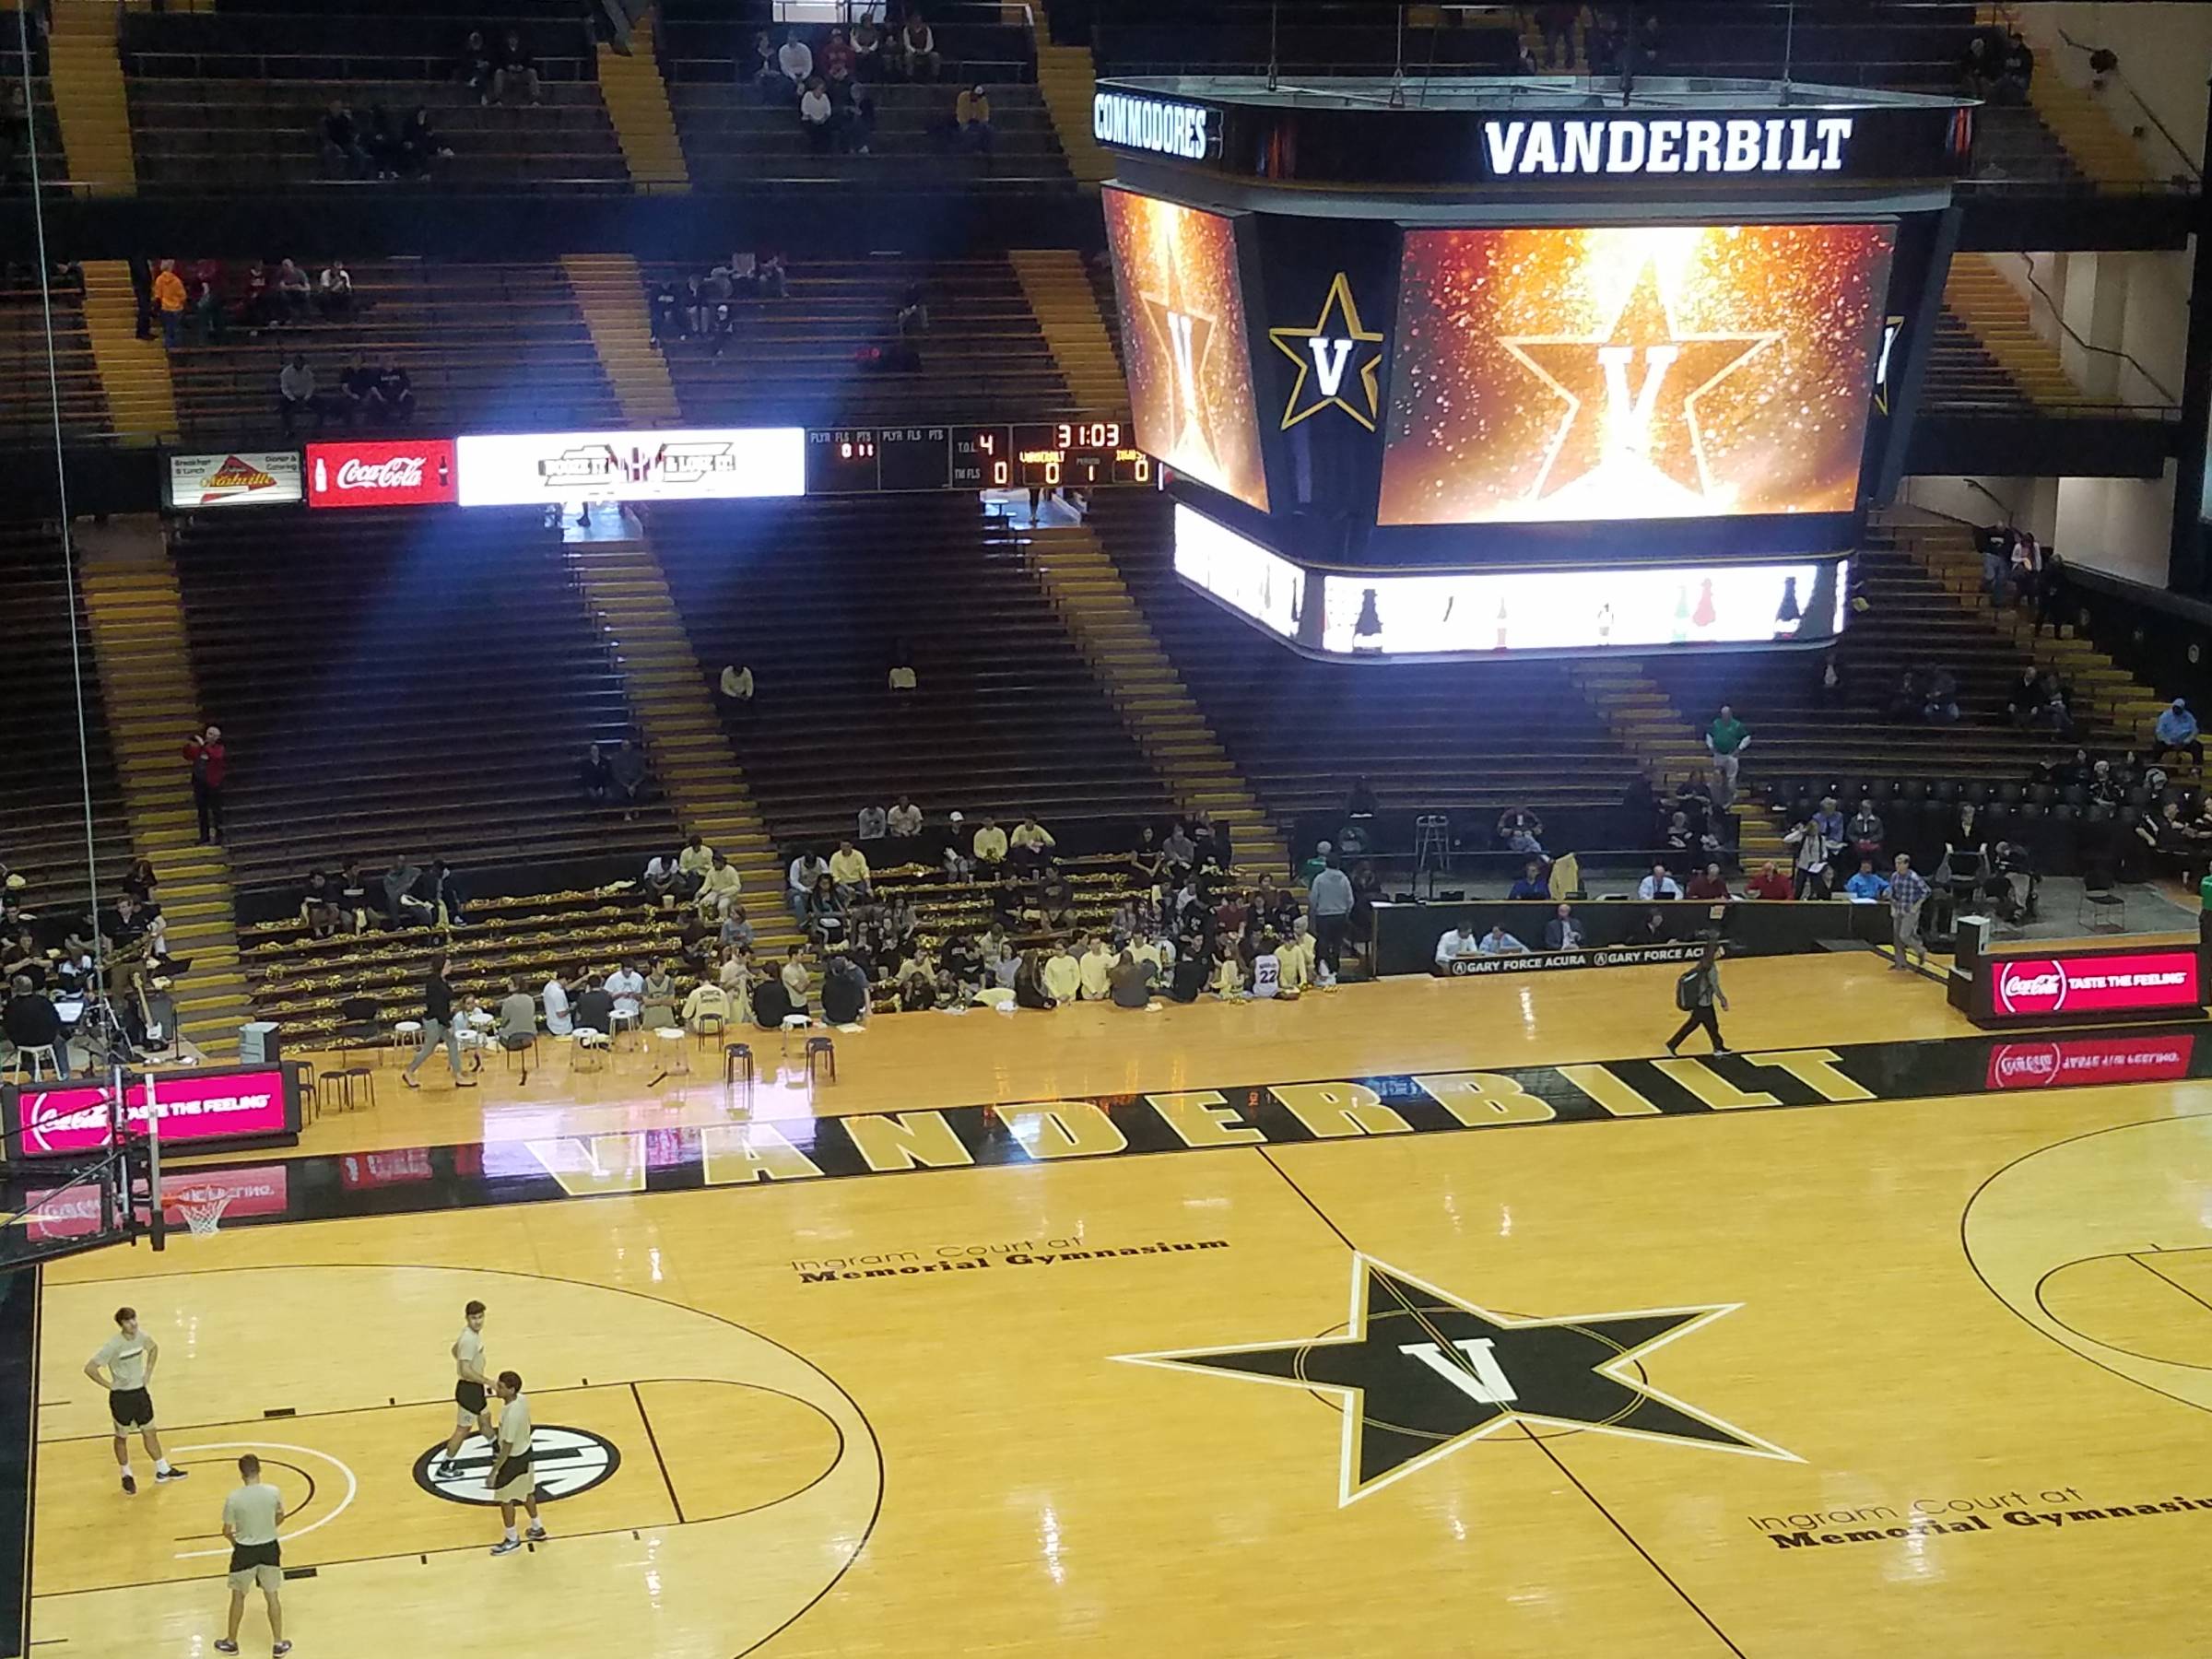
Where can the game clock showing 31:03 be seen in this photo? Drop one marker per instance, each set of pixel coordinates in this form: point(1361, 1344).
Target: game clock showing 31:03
point(1047, 455)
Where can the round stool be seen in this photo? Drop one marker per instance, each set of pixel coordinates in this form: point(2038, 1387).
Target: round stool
point(587, 1049)
point(406, 1034)
point(792, 1022)
point(673, 1058)
point(821, 1051)
point(737, 1057)
point(618, 1023)
point(362, 1078)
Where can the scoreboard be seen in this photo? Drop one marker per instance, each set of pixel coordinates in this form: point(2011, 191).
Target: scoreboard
point(1043, 455)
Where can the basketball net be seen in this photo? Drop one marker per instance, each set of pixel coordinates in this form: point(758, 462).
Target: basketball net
point(202, 1216)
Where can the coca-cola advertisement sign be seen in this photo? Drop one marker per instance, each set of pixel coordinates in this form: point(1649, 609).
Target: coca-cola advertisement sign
point(199, 1108)
point(2093, 982)
point(417, 473)
point(2069, 1062)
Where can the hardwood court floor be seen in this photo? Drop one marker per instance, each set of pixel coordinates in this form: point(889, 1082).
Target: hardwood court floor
point(910, 1061)
point(1620, 1381)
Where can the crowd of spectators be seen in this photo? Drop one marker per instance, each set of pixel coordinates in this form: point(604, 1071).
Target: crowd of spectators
point(358, 147)
point(405, 893)
point(1997, 65)
point(705, 306)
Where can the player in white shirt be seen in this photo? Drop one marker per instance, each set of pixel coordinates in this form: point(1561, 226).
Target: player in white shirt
point(252, 1515)
point(514, 1479)
point(129, 1357)
point(470, 1408)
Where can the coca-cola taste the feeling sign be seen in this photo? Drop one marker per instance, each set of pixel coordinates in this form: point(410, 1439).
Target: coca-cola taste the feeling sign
point(415, 473)
point(2072, 984)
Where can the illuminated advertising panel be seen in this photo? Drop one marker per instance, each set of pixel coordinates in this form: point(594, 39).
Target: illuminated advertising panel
point(531, 469)
point(414, 473)
point(1239, 572)
point(202, 1107)
point(2063, 1061)
point(2101, 981)
point(1587, 375)
point(1183, 330)
point(234, 478)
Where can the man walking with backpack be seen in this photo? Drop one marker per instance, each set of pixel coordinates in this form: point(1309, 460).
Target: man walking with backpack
point(1696, 993)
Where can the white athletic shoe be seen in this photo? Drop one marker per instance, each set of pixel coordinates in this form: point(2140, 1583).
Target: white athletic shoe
point(506, 1546)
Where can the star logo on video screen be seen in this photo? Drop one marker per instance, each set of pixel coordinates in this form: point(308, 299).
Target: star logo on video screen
point(1419, 1373)
point(1631, 425)
point(1325, 354)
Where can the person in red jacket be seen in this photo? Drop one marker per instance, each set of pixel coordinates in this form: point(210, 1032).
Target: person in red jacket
point(205, 751)
point(1770, 883)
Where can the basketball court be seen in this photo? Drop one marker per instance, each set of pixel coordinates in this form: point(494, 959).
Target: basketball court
point(1429, 1316)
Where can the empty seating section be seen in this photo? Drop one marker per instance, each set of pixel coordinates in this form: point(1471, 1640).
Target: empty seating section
point(983, 356)
point(1233, 37)
point(1913, 623)
point(224, 100)
point(1476, 737)
point(26, 408)
point(42, 799)
point(2013, 146)
point(28, 128)
point(403, 684)
point(486, 348)
point(733, 135)
point(1964, 378)
point(817, 597)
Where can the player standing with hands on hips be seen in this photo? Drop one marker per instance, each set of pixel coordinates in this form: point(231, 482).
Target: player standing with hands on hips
point(250, 1517)
point(129, 1357)
point(469, 1389)
point(513, 1480)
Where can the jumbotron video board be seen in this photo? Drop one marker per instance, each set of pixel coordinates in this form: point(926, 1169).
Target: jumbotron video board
point(1577, 394)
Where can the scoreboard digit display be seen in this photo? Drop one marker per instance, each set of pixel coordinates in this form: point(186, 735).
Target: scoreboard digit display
point(1044, 456)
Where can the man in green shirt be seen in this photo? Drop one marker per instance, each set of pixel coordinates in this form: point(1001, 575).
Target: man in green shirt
point(251, 1516)
point(1727, 737)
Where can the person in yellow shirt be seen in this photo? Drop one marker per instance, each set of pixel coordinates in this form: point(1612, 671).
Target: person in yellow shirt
point(1029, 842)
point(1095, 970)
point(990, 845)
point(717, 888)
point(848, 869)
point(1062, 977)
point(1296, 970)
point(169, 300)
point(695, 861)
point(1228, 978)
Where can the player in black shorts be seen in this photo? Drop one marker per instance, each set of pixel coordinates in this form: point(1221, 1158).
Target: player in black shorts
point(471, 1386)
point(129, 1357)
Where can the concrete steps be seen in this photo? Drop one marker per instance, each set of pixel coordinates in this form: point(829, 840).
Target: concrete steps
point(611, 294)
point(1646, 723)
point(88, 96)
point(636, 102)
point(133, 374)
point(1058, 288)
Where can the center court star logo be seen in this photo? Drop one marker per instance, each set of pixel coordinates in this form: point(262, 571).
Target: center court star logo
point(1631, 395)
point(1419, 1373)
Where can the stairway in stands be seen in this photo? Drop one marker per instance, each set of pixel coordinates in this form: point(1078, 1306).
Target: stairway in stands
point(1057, 285)
point(137, 622)
point(1984, 298)
point(636, 102)
point(1095, 607)
point(1646, 723)
point(86, 74)
point(692, 755)
point(1946, 551)
point(133, 374)
point(1068, 78)
point(2079, 122)
point(611, 293)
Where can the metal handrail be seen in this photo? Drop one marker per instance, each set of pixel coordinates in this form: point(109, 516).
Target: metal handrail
point(2126, 86)
point(2102, 350)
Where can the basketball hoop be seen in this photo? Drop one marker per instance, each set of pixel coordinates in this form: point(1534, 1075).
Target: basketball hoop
point(202, 1216)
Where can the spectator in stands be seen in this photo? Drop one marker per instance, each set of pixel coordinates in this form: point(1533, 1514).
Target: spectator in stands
point(394, 402)
point(318, 907)
point(517, 70)
point(439, 1025)
point(1869, 884)
point(1520, 830)
point(795, 61)
point(342, 149)
point(15, 137)
point(1939, 703)
point(759, 67)
point(334, 292)
point(2025, 698)
point(1061, 975)
point(1129, 982)
point(1181, 853)
point(772, 280)
point(736, 686)
point(296, 393)
point(1563, 932)
point(475, 66)
point(168, 304)
point(210, 766)
point(626, 985)
point(971, 120)
point(1709, 883)
point(1977, 71)
point(356, 385)
point(445, 895)
point(904, 820)
point(595, 1006)
point(420, 145)
point(657, 1003)
point(805, 869)
point(382, 143)
point(1833, 827)
point(518, 1014)
point(33, 1021)
point(1030, 844)
point(916, 46)
point(849, 871)
point(990, 846)
point(402, 903)
point(1329, 900)
point(1361, 801)
point(1866, 831)
point(1658, 885)
point(815, 113)
point(1810, 863)
point(1726, 740)
point(845, 991)
point(871, 823)
point(2016, 69)
point(596, 775)
point(867, 53)
point(1532, 883)
point(295, 293)
point(1679, 837)
point(555, 995)
point(2177, 731)
point(627, 774)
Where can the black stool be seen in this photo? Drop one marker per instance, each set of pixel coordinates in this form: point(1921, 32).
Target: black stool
point(735, 1057)
point(821, 1049)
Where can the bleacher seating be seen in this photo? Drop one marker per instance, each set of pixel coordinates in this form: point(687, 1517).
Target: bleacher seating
point(486, 346)
point(1964, 378)
point(26, 408)
point(815, 597)
point(403, 683)
point(733, 136)
point(1238, 37)
point(1462, 737)
point(985, 356)
point(43, 138)
point(2013, 147)
point(42, 800)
